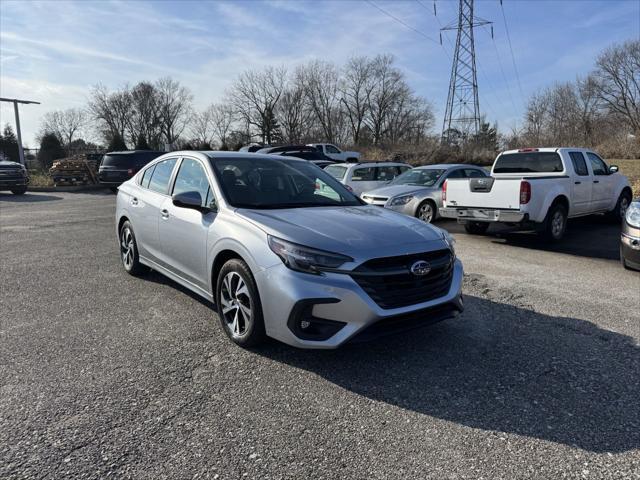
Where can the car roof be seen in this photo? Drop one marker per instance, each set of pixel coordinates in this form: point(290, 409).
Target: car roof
point(133, 152)
point(376, 164)
point(213, 155)
point(448, 166)
point(287, 148)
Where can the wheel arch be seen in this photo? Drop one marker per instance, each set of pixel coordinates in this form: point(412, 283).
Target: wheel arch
point(427, 200)
point(222, 257)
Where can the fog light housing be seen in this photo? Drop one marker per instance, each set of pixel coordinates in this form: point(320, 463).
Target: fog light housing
point(305, 326)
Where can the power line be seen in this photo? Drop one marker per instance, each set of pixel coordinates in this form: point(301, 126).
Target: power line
point(401, 21)
point(513, 58)
point(504, 76)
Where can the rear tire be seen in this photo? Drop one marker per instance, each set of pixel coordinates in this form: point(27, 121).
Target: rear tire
point(476, 228)
point(238, 304)
point(555, 223)
point(618, 213)
point(19, 190)
point(129, 251)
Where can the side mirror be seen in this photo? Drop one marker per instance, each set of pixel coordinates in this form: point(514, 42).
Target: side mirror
point(192, 200)
point(613, 169)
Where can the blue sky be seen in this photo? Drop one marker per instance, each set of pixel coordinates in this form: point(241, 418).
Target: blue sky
point(54, 51)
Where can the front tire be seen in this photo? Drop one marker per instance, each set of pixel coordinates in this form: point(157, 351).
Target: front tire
point(19, 190)
point(476, 228)
point(618, 213)
point(426, 211)
point(555, 224)
point(129, 251)
point(238, 304)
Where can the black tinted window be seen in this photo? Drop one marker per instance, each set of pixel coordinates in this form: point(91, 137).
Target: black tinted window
point(456, 174)
point(161, 176)
point(579, 165)
point(474, 173)
point(117, 161)
point(528, 162)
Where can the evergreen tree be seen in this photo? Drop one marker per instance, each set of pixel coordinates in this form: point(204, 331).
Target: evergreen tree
point(50, 149)
point(116, 144)
point(9, 144)
point(141, 143)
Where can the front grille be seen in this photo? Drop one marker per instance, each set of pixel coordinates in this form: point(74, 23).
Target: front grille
point(367, 198)
point(390, 283)
point(11, 174)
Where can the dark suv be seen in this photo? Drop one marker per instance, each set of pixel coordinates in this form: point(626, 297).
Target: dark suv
point(118, 167)
point(14, 177)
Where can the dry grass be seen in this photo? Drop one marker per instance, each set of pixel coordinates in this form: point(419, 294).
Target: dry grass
point(40, 179)
point(631, 169)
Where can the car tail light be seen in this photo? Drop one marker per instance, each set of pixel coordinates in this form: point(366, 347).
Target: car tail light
point(131, 171)
point(444, 191)
point(525, 192)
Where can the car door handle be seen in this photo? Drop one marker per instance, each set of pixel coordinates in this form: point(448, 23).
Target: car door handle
point(134, 201)
point(596, 181)
point(577, 183)
point(165, 213)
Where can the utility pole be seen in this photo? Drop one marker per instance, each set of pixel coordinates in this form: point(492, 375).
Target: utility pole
point(15, 102)
point(462, 115)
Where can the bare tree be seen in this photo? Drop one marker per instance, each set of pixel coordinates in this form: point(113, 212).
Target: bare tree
point(174, 107)
point(201, 126)
point(389, 87)
point(293, 113)
point(618, 81)
point(65, 124)
point(222, 118)
point(255, 95)
point(356, 87)
point(110, 110)
point(144, 121)
point(320, 83)
point(536, 118)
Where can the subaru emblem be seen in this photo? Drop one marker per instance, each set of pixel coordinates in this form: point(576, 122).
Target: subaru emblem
point(420, 268)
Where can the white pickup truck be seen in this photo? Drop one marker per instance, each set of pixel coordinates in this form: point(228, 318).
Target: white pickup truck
point(333, 152)
point(538, 189)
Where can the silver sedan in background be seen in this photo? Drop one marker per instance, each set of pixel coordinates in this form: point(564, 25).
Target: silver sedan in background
point(418, 192)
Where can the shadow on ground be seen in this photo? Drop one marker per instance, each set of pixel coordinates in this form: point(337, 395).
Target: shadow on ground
point(594, 236)
point(499, 368)
point(27, 197)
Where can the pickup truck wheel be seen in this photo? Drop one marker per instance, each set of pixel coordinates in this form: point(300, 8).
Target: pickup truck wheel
point(426, 211)
point(618, 213)
point(238, 304)
point(19, 190)
point(476, 228)
point(555, 223)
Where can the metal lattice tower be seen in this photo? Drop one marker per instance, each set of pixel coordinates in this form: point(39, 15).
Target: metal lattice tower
point(462, 115)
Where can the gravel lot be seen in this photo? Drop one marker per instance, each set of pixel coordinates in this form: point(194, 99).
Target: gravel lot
point(102, 374)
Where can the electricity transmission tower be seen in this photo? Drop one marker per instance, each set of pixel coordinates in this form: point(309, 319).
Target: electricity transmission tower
point(462, 115)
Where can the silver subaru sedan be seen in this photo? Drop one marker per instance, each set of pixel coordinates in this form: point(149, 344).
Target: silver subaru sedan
point(284, 250)
point(418, 192)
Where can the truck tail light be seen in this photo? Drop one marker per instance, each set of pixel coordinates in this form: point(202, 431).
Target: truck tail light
point(444, 191)
point(524, 150)
point(525, 192)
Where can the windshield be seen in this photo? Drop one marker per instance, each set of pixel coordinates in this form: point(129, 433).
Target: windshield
point(276, 183)
point(424, 177)
point(530, 162)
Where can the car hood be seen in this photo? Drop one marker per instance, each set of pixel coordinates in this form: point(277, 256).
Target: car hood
point(355, 231)
point(395, 190)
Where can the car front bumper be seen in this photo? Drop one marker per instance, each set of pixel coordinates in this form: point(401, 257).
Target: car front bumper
point(464, 214)
point(630, 246)
point(339, 301)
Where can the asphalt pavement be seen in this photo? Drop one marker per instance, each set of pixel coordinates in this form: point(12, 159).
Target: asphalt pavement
point(103, 375)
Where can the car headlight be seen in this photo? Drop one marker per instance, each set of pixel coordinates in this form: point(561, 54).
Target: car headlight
point(396, 202)
point(633, 215)
point(450, 241)
point(305, 259)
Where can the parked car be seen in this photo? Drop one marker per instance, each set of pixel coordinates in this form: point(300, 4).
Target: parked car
point(13, 177)
point(280, 257)
point(418, 192)
point(252, 147)
point(362, 177)
point(300, 151)
point(538, 188)
point(630, 238)
point(118, 167)
point(333, 152)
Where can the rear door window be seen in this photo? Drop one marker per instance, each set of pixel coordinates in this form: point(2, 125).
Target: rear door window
point(332, 149)
point(528, 162)
point(579, 165)
point(456, 174)
point(336, 171)
point(385, 174)
point(474, 173)
point(162, 175)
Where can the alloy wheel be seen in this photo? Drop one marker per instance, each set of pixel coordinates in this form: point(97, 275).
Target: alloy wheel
point(127, 247)
point(426, 213)
point(236, 304)
point(557, 224)
point(624, 205)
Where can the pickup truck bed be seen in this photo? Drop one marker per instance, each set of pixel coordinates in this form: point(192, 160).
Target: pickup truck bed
point(573, 181)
